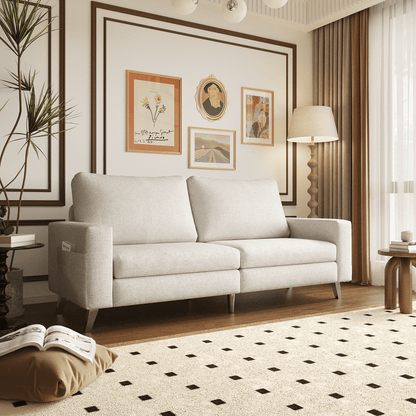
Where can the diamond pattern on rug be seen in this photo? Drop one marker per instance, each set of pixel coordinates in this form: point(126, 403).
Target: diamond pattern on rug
point(353, 363)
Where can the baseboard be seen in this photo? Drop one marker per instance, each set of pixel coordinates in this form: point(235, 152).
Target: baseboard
point(40, 278)
point(37, 292)
point(40, 299)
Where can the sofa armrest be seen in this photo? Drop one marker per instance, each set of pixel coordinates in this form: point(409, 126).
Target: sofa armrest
point(331, 230)
point(84, 275)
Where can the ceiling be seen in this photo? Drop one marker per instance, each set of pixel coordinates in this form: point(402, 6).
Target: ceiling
point(307, 15)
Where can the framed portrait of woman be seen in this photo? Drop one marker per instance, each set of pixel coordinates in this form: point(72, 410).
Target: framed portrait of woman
point(211, 98)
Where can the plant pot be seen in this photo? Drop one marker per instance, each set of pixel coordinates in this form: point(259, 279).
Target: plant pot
point(15, 290)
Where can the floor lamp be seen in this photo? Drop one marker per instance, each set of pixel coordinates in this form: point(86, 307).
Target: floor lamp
point(313, 124)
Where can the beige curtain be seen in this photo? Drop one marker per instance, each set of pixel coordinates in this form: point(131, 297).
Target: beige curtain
point(340, 75)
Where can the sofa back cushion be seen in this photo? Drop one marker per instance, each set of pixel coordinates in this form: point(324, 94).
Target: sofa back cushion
point(226, 209)
point(140, 210)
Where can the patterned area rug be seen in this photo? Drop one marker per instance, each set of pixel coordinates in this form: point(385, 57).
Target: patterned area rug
point(352, 363)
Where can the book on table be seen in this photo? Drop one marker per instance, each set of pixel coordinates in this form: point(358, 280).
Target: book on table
point(17, 240)
point(56, 336)
point(403, 243)
point(407, 247)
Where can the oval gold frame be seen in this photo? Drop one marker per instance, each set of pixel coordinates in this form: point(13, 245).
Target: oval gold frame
point(200, 97)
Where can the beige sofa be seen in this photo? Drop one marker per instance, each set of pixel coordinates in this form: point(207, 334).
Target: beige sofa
point(138, 240)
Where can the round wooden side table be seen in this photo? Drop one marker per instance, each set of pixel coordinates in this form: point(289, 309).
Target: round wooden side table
point(8, 325)
point(402, 260)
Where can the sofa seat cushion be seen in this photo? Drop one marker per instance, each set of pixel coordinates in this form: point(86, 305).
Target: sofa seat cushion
point(281, 251)
point(142, 260)
point(229, 209)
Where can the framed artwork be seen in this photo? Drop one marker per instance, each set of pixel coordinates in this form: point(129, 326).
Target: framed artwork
point(211, 149)
point(153, 113)
point(211, 98)
point(257, 117)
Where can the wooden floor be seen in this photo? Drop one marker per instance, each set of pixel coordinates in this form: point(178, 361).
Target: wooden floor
point(142, 322)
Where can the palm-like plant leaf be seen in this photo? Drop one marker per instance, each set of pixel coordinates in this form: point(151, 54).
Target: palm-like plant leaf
point(44, 113)
point(26, 81)
point(19, 25)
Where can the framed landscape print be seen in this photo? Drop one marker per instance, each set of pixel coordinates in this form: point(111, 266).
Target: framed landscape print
point(257, 107)
point(211, 98)
point(211, 149)
point(153, 113)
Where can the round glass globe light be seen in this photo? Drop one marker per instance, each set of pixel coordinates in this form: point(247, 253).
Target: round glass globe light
point(275, 4)
point(237, 14)
point(184, 6)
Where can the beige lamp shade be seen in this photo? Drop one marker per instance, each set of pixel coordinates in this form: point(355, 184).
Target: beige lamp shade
point(315, 122)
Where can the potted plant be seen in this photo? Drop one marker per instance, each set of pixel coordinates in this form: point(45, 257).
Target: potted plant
point(23, 23)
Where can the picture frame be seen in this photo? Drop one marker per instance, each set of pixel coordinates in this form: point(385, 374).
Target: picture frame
point(212, 149)
point(153, 106)
point(257, 117)
point(211, 98)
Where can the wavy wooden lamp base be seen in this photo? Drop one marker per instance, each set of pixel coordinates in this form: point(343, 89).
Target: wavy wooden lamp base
point(313, 178)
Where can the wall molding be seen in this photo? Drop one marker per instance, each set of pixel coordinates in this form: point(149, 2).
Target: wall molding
point(237, 39)
point(60, 200)
point(40, 278)
point(36, 223)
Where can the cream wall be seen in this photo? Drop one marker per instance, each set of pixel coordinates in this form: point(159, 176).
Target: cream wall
point(78, 49)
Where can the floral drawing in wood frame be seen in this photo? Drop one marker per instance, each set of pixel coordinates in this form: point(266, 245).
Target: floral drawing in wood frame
point(211, 98)
point(257, 118)
point(211, 149)
point(154, 105)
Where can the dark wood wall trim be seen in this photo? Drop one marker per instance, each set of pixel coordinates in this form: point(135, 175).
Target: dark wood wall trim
point(40, 278)
point(95, 6)
point(49, 83)
point(61, 91)
point(93, 87)
point(62, 96)
point(37, 223)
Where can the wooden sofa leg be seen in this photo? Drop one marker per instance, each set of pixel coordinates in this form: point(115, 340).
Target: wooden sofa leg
point(91, 315)
point(60, 305)
point(336, 287)
point(231, 303)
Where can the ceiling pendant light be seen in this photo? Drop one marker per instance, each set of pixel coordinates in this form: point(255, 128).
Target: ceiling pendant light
point(184, 6)
point(234, 11)
point(275, 4)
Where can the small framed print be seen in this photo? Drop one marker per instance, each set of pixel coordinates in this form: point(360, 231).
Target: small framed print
point(257, 107)
point(211, 98)
point(153, 113)
point(211, 149)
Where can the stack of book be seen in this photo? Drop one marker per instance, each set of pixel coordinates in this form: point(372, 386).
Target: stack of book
point(17, 240)
point(405, 246)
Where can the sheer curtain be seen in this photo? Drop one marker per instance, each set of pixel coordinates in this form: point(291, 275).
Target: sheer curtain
point(392, 64)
